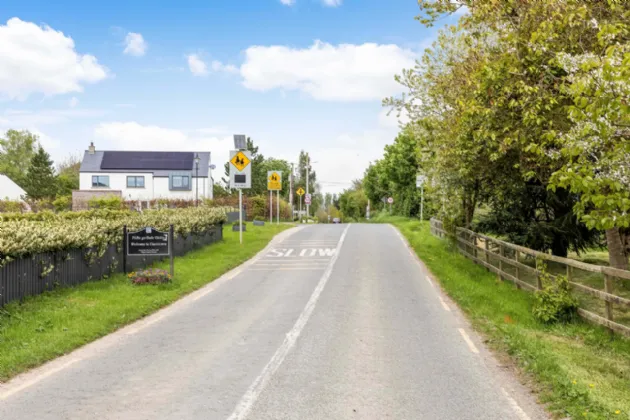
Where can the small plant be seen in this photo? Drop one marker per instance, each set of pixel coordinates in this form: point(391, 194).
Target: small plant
point(62, 203)
point(554, 302)
point(150, 276)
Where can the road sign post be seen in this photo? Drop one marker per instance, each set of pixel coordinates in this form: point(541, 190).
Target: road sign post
point(274, 183)
point(240, 176)
point(300, 192)
point(390, 200)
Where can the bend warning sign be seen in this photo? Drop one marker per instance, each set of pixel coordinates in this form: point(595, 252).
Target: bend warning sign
point(300, 191)
point(274, 180)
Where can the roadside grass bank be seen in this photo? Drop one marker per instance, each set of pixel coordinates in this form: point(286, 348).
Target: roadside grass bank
point(54, 323)
point(578, 369)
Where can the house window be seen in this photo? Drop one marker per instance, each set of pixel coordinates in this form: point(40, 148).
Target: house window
point(135, 182)
point(100, 181)
point(180, 182)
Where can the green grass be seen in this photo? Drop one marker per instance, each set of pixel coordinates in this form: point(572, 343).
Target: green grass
point(579, 371)
point(57, 322)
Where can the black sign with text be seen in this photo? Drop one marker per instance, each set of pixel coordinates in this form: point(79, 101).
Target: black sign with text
point(147, 241)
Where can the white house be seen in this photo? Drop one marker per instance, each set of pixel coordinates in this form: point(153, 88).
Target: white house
point(147, 175)
point(9, 190)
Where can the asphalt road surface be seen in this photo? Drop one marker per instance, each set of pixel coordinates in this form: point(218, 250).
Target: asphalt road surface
point(329, 322)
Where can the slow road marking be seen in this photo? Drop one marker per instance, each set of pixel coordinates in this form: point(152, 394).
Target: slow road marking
point(246, 403)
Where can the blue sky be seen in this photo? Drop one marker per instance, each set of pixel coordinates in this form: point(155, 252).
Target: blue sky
point(186, 75)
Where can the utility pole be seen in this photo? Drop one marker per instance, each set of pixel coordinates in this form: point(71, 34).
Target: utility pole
point(291, 191)
point(308, 170)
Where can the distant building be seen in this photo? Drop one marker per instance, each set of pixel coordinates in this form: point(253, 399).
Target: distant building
point(9, 190)
point(146, 175)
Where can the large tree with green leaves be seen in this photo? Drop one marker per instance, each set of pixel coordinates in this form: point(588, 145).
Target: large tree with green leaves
point(41, 176)
point(68, 171)
point(16, 150)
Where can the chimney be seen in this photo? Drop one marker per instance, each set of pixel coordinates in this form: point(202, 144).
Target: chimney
point(91, 149)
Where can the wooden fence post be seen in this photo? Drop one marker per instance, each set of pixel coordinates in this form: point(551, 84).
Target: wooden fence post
point(517, 258)
point(500, 273)
point(608, 288)
point(487, 252)
point(539, 284)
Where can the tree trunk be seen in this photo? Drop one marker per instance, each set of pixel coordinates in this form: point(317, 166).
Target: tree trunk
point(617, 251)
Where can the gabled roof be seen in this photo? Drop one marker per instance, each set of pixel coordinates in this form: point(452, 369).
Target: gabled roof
point(158, 163)
point(9, 189)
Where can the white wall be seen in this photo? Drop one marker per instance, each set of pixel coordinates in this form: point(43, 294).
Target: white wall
point(10, 190)
point(153, 187)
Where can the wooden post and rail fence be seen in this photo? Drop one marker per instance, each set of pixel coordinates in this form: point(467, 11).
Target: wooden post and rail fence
point(510, 263)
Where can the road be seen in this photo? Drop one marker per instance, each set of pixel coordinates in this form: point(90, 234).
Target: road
point(330, 322)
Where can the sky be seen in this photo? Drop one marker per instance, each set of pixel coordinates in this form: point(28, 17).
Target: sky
point(187, 75)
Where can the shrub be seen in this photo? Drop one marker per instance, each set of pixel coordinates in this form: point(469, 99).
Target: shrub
point(10, 206)
point(111, 202)
point(259, 206)
point(62, 203)
point(150, 276)
point(554, 303)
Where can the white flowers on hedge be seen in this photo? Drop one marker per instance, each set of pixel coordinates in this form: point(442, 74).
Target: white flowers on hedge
point(21, 238)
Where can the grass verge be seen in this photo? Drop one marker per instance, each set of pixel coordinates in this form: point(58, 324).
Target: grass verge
point(579, 371)
point(52, 324)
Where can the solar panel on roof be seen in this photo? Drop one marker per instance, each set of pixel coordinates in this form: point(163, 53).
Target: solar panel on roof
point(175, 161)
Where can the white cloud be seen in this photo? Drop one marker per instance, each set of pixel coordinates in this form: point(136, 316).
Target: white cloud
point(218, 66)
point(345, 72)
point(27, 118)
point(134, 136)
point(196, 65)
point(74, 101)
point(40, 59)
point(332, 3)
point(135, 44)
point(288, 2)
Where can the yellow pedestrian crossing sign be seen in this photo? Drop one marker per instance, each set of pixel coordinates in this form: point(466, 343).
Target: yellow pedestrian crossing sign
point(274, 180)
point(300, 191)
point(240, 161)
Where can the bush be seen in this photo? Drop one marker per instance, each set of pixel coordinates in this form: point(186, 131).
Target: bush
point(111, 202)
point(150, 276)
point(259, 206)
point(63, 203)
point(10, 206)
point(554, 303)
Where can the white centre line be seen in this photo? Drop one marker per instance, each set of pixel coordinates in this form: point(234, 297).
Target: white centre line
point(246, 403)
point(468, 341)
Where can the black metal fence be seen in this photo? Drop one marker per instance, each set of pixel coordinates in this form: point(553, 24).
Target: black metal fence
point(41, 272)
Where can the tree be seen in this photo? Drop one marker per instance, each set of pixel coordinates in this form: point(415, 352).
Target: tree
point(68, 172)
point(41, 176)
point(16, 151)
point(273, 164)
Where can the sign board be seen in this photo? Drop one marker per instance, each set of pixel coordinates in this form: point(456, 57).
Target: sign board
point(390, 200)
point(147, 241)
point(307, 199)
point(274, 180)
point(240, 169)
point(420, 180)
point(300, 191)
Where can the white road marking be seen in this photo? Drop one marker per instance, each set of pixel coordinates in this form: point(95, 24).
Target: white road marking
point(33, 381)
point(255, 389)
point(519, 411)
point(444, 305)
point(468, 341)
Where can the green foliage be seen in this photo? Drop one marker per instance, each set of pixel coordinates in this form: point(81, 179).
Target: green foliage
point(16, 151)
point(41, 181)
point(63, 203)
point(259, 206)
point(554, 303)
point(48, 232)
point(110, 202)
point(353, 203)
point(68, 175)
point(9, 206)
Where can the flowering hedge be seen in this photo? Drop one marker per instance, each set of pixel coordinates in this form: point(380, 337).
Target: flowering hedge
point(21, 237)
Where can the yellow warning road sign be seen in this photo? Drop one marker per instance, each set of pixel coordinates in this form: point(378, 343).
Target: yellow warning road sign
point(274, 181)
point(240, 161)
point(300, 191)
